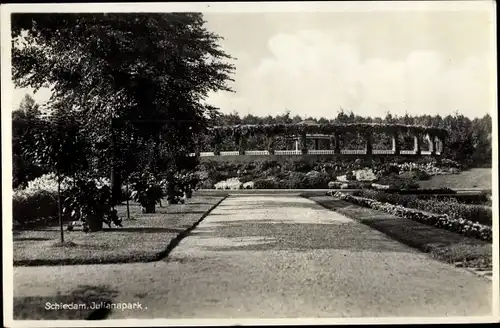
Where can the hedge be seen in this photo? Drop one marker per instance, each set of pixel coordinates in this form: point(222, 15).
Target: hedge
point(444, 221)
point(37, 208)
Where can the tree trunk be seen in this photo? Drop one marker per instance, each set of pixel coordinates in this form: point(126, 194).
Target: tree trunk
point(171, 193)
point(115, 174)
point(128, 205)
point(59, 205)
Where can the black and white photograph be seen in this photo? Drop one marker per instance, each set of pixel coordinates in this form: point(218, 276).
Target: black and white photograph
point(249, 163)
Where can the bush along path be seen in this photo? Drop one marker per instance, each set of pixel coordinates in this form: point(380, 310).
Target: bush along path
point(443, 221)
point(470, 253)
point(143, 238)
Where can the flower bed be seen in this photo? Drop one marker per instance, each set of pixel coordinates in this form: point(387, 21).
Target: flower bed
point(444, 221)
point(229, 184)
point(429, 169)
point(396, 173)
point(476, 213)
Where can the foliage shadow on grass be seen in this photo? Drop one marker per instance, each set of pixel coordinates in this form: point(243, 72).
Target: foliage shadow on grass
point(31, 239)
point(144, 230)
point(187, 212)
point(34, 308)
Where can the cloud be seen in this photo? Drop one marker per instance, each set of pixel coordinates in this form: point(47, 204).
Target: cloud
point(310, 73)
point(313, 73)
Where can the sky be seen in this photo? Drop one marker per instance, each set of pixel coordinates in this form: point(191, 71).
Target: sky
point(313, 64)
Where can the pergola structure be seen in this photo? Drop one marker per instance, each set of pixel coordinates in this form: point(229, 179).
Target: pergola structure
point(304, 131)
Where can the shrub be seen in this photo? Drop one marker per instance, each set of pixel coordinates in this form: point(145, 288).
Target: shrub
point(359, 184)
point(91, 203)
point(296, 180)
point(248, 185)
point(46, 182)
point(267, 183)
point(386, 169)
point(421, 175)
point(398, 182)
point(36, 207)
point(334, 184)
point(365, 175)
point(302, 167)
point(206, 184)
point(448, 163)
point(232, 183)
point(246, 178)
point(37, 203)
point(428, 191)
point(266, 165)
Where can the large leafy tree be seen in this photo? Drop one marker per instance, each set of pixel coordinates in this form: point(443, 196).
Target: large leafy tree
point(147, 74)
point(25, 124)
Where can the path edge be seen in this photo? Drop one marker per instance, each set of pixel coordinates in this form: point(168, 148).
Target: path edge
point(174, 242)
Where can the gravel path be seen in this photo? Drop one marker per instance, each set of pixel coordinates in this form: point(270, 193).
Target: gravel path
point(277, 256)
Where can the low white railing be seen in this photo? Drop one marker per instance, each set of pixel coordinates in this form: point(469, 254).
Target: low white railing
point(353, 151)
point(257, 152)
point(314, 152)
point(229, 153)
point(321, 152)
point(287, 152)
point(382, 151)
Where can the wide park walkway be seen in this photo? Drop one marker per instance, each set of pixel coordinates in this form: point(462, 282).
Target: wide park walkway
point(276, 256)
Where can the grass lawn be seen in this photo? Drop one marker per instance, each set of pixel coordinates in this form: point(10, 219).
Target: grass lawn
point(473, 178)
point(441, 244)
point(143, 238)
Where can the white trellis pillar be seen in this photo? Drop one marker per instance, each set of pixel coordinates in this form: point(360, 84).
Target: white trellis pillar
point(368, 143)
point(337, 143)
point(396, 149)
point(416, 143)
point(439, 146)
point(431, 139)
point(303, 143)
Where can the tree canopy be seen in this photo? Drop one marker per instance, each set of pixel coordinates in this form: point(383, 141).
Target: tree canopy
point(128, 66)
point(125, 77)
